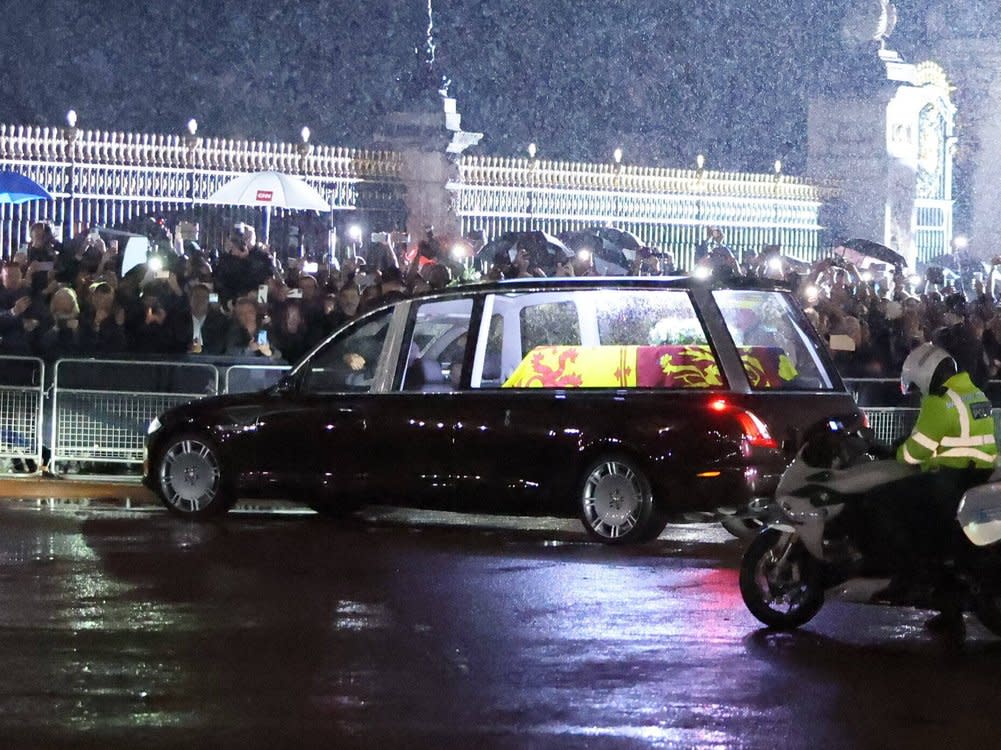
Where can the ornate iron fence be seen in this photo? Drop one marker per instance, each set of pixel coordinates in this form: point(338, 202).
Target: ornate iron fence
point(115, 179)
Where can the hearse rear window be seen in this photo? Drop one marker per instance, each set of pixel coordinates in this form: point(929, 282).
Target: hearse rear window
point(776, 345)
point(597, 339)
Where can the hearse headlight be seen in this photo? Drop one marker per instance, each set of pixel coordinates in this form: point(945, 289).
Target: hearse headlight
point(154, 426)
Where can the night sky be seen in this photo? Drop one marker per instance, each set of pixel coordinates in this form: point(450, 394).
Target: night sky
point(665, 79)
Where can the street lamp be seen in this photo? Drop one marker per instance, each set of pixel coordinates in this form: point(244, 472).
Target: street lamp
point(960, 242)
point(304, 148)
point(532, 150)
point(617, 155)
point(700, 162)
point(192, 141)
point(70, 133)
point(778, 167)
point(355, 233)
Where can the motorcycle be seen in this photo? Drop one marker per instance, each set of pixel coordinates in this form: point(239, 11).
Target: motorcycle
point(816, 540)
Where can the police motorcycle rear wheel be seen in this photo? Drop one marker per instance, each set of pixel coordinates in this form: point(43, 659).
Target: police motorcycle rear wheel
point(780, 582)
point(741, 528)
point(987, 607)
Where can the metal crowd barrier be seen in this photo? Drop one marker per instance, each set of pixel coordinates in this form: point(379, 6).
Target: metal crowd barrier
point(101, 408)
point(890, 423)
point(22, 396)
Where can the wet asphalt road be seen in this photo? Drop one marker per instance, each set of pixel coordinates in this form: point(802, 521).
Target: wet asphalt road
point(405, 629)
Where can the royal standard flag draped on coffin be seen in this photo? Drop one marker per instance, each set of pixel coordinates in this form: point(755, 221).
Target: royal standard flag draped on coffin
point(669, 366)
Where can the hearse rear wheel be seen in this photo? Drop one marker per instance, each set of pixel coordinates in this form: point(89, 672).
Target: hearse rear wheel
point(617, 504)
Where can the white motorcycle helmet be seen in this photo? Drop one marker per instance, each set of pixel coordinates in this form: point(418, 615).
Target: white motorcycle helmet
point(926, 368)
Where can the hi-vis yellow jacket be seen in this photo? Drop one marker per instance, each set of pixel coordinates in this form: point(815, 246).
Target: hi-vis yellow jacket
point(954, 430)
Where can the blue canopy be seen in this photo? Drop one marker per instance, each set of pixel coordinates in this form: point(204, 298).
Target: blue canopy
point(16, 188)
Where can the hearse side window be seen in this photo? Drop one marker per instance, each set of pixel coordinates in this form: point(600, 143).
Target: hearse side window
point(348, 362)
point(777, 347)
point(618, 338)
point(436, 346)
point(549, 324)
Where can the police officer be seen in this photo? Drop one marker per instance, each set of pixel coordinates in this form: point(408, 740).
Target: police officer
point(953, 443)
point(955, 429)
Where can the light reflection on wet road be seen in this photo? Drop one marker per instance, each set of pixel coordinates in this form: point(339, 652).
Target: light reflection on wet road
point(422, 630)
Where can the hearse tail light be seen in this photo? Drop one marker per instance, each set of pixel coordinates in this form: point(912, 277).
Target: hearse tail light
point(755, 431)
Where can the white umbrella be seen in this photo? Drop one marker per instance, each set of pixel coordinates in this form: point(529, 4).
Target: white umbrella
point(269, 190)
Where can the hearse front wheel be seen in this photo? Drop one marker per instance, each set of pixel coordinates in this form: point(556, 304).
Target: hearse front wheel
point(189, 478)
point(617, 504)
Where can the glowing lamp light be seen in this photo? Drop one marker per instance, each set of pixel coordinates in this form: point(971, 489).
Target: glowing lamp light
point(775, 264)
point(718, 405)
point(305, 134)
point(702, 273)
point(584, 254)
point(700, 161)
point(532, 150)
point(778, 166)
point(71, 118)
point(193, 126)
point(915, 280)
point(155, 264)
point(458, 250)
point(354, 232)
point(617, 155)
point(961, 242)
point(866, 276)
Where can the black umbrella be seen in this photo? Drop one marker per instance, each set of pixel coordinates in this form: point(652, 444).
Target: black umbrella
point(961, 261)
point(616, 237)
point(609, 258)
point(544, 250)
point(869, 249)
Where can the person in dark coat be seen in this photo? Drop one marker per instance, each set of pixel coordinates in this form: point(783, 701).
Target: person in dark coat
point(161, 324)
point(102, 323)
point(208, 325)
point(242, 269)
point(63, 338)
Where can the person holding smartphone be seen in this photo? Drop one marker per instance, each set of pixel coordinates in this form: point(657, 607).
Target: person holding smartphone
point(247, 337)
point(209, 326)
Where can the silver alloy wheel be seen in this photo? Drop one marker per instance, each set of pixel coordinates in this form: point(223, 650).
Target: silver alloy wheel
point(780, 581)
point(189, 475)
point(613, 499)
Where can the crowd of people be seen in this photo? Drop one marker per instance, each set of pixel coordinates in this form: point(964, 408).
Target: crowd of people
point(67, 300)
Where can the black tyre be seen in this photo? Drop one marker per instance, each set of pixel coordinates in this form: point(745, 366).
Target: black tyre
point(189, 478)
point(987, 607)
point(780, 581)
point(616, 503)
point(742, 528)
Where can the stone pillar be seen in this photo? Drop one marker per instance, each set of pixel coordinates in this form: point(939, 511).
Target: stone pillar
point(847, 150)
point(975, 67)
point(425, 175)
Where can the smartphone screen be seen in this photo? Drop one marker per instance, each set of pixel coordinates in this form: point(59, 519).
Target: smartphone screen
point(262, 338)
point(310, 267)
point(262, 293)
point(213, 299)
